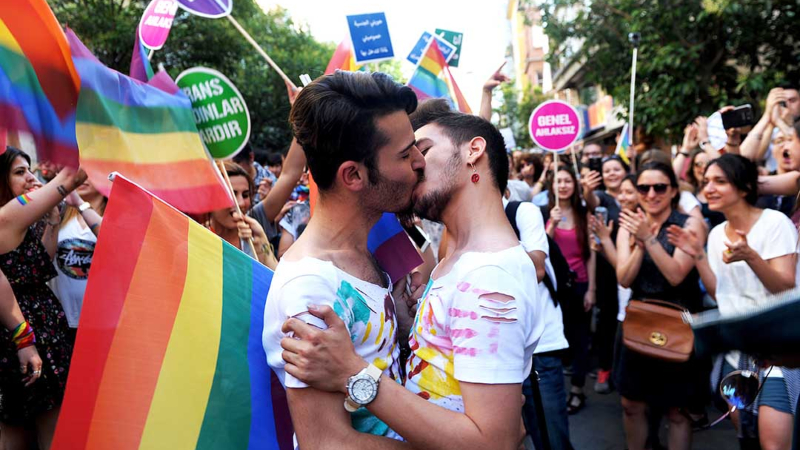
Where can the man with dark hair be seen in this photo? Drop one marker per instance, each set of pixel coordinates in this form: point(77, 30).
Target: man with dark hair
point(361, 150)
point(477, 323)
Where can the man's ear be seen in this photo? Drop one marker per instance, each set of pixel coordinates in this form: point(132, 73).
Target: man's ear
point(352, 175)
point(476, 149)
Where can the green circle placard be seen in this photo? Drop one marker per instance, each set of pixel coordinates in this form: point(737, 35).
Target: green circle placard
point(219, 111)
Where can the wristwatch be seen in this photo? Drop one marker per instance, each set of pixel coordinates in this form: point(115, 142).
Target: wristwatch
point(362, 388)
point(84, 206)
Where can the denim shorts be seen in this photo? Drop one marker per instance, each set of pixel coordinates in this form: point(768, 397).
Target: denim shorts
point(773, 393)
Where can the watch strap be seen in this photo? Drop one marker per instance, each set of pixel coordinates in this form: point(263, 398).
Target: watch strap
point(84, 206)
point(374, 372)
point(350, 406)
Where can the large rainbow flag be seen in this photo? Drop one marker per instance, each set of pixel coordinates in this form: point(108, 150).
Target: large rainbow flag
point(38, 83)
point(432, 79)
point(343, 59)
point(169, 353)
point(146, 132)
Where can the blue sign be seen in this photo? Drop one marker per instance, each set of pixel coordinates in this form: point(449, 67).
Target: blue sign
point(370, 36)
point(447, 49)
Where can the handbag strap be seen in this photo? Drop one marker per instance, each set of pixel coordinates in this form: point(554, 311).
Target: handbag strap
point(665, 304)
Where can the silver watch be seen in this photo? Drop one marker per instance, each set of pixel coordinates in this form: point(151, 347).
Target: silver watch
point(362, 388)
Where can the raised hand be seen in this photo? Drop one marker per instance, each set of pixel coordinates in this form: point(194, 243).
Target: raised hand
point(686, 240)
point(496, 79)
point(637, 224)
point(691, 139)
point(599, 229)
point(591, 181)
point(702, 128)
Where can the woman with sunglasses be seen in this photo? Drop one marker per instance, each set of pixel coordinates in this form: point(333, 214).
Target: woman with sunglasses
point(750, 256)
point(655, 269)
point(614, 170)
point(568, 227)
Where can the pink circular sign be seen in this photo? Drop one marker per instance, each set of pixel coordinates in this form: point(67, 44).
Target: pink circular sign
point(156, 23)
point(554, 125)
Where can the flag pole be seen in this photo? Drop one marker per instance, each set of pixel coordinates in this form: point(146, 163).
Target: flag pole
point(260, 50)
point(555, 171)
point(221, 166)
point(634, 39)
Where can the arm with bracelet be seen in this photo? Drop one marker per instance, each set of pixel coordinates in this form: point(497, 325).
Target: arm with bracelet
point(11, 317)
point(24, 210)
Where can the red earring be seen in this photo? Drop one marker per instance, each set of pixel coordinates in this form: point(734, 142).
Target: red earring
point(475, 177)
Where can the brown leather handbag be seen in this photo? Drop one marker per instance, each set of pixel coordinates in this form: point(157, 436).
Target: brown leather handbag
point(656, 329)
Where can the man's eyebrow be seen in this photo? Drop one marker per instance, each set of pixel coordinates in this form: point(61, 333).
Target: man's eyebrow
point(408, 147)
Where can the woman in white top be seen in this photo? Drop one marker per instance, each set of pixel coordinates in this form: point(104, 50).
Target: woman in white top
point(77, 237)
point(750, 256)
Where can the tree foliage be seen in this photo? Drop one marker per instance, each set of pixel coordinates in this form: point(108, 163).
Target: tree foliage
point(515, 111)
point(108, 28)
point(695, 56)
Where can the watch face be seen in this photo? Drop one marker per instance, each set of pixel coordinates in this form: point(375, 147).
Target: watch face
point(363, 390)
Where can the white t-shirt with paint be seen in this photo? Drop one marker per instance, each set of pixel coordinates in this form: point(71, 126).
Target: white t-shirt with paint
point(738, 288)
point(462, 333)
point(366, 309)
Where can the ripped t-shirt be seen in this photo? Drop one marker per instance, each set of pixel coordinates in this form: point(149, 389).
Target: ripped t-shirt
point(478, 324)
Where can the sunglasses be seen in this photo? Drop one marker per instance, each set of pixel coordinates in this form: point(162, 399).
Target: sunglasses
point(644, 189)
point(739, 389)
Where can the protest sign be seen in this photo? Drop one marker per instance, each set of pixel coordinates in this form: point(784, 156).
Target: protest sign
point(219, 110)
point(447, 49)
point(156, 22)
point(210, 9)
point(455, 38)
point(370, 36)
point(554, 125)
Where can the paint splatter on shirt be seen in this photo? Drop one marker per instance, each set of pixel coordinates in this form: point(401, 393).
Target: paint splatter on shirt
point(479, 323)
point(367, 310)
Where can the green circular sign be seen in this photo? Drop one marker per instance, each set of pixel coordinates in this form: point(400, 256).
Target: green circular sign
point(219, 111)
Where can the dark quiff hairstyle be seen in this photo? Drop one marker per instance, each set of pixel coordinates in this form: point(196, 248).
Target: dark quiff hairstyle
point(664, 168)
point(461, 128)
point(6, 163)
point(740, 172)
point(334, 120)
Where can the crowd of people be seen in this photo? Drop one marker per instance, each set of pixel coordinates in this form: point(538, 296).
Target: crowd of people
point(528, 270)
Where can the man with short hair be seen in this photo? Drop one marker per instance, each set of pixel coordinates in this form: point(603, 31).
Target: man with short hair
point(782, 101)
point(360, 147)
point(478, 322)
point(591, 150)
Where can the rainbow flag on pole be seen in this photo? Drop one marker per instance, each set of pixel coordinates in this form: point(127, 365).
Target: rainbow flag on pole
point(146, 132)
point(343, 59)
point(432, 79)
point(38, 82)
point(169, 351)
point(140, 64)
point(624, 144)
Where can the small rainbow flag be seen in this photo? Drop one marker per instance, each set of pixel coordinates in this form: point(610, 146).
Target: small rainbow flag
point(432, 79)
point(146, 132)
point(343, 59)
point(38, 83)
point(140, 64)
point(169, 354)
point(623, 144)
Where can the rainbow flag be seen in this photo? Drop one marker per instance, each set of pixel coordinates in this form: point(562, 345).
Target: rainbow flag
point(140, 64)
point(343, 59)
point(144, 131)
point(38, 82)
point(169, 354)
point(624, 144)
point(432, 79)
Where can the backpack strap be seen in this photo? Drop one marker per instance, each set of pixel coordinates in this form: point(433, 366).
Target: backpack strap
point(511, 214)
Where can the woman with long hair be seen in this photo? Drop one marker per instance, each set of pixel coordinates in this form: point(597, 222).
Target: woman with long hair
point(568, 227)
point(750, 256)
point(655, 269)
point(698, 159)
point(35, 352)
point(238, 229)
point(77, 237)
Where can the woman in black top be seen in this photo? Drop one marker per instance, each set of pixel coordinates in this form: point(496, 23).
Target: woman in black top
point(654, 269)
